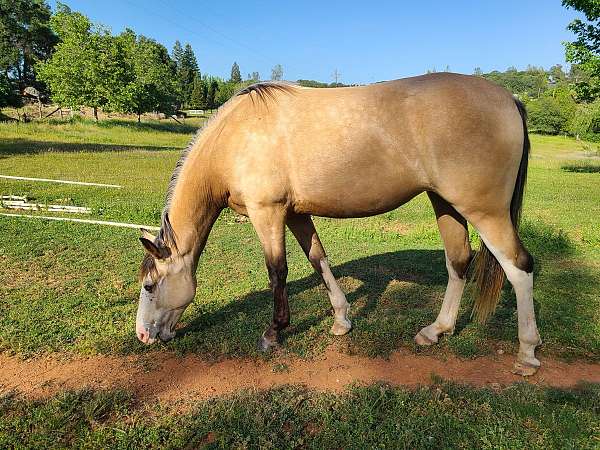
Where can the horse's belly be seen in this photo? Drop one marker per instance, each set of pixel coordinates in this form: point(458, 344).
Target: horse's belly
point(354, 197)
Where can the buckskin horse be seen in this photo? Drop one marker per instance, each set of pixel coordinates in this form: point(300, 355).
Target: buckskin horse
point(280, 153)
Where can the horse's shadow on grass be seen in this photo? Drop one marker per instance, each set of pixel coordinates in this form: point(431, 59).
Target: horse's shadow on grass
point(235, 327)
point(393, 295)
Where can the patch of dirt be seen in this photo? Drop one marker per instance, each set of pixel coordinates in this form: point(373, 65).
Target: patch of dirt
point(165, 377)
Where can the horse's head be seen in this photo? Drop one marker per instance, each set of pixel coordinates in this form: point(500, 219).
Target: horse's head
point(168, 287)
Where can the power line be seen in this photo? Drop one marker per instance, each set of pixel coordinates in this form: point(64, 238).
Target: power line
point(263, 57)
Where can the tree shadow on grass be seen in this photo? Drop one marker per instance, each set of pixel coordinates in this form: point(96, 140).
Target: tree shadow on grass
point(393, 295)
point(12, 147)
point(167, 127)
point(582, 168)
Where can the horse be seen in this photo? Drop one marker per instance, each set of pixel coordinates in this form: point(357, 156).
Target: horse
point(279, 153)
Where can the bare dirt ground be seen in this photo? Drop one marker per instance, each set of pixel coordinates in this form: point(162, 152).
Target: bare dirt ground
point(165, 377)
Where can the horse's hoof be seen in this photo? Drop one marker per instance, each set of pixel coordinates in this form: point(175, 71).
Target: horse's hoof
point(423, 340)
point(525, 369)
point(341, 328)
point(264, 345)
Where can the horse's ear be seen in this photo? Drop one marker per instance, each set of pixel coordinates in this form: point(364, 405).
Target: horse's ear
point(146, 234)
point(159, 251)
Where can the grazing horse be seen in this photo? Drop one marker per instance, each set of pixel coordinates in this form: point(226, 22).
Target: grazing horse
point(280, 153)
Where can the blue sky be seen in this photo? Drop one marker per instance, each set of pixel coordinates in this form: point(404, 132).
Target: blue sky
point(364, 41)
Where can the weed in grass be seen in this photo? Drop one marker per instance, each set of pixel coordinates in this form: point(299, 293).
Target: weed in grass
point(279, 368)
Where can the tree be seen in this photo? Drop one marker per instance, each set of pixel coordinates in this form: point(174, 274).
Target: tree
point(211, 95)
point(255, 76)
point(225, 92)
point(585, 50)
point(199, 94)
point(553, 112)
point(177, 54)
point(277, 73)
point(236, 76)
point(8, 95)
point(25, 38)
point(187, 71)
point(188, 59)
point(532, 82)
point(87, 64)
point(149, 84)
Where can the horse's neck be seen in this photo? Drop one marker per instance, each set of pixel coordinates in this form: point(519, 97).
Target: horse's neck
point(193, 211)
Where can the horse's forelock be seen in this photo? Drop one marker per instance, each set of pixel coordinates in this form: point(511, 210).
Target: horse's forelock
point(148, 267)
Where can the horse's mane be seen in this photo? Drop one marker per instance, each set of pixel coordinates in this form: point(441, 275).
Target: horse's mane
point(267, 90)
point(264, 91)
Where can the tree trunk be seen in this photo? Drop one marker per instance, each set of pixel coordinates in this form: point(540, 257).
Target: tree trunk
point(139, 117)
point(96, 113)
point(40, 107)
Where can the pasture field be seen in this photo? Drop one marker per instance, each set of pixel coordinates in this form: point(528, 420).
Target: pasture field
point(70, 290)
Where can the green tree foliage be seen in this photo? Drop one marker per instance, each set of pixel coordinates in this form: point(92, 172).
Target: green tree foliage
point(149, 83)
point(211, 95)
point(87, 63)
point(532, 82)
point(319, 84)
point(225, 92)
point(186, 71)
point(199, 94)
point(585, 50)
point(553, 112)
point(25, 38)
point(8, 94)
point(585, 123)
point(177, 53)
point(236, 76)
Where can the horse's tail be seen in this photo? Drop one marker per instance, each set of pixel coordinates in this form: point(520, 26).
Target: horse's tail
point(488, 273)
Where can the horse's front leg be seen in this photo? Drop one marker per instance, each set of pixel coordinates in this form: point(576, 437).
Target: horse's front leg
point(304, 230)
point(269, 224)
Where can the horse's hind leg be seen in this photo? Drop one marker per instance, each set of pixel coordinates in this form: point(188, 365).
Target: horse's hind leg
point(269, 223)
point(454, 232)
point(304, 230)
point(500, 237)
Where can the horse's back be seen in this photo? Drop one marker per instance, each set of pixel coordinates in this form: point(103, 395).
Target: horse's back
point(358, 151)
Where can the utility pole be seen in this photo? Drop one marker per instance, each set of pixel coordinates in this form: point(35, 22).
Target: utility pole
point(336, 75)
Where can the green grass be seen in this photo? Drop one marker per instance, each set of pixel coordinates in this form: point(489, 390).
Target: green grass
point(72, 288)
point(442, 416)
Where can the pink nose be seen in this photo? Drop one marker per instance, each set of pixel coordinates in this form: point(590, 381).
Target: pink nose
point(142, 334)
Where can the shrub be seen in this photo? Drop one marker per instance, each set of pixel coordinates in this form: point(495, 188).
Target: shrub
point(546, 116)
point(585, 123)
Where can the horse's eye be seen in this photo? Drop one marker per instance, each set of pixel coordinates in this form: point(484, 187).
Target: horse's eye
point(149, 287)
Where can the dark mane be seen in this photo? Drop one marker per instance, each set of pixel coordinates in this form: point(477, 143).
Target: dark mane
point(267, 90)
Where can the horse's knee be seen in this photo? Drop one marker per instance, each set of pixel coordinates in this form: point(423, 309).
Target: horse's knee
point(277, 274)
point(524, 260)
point(316, 256)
